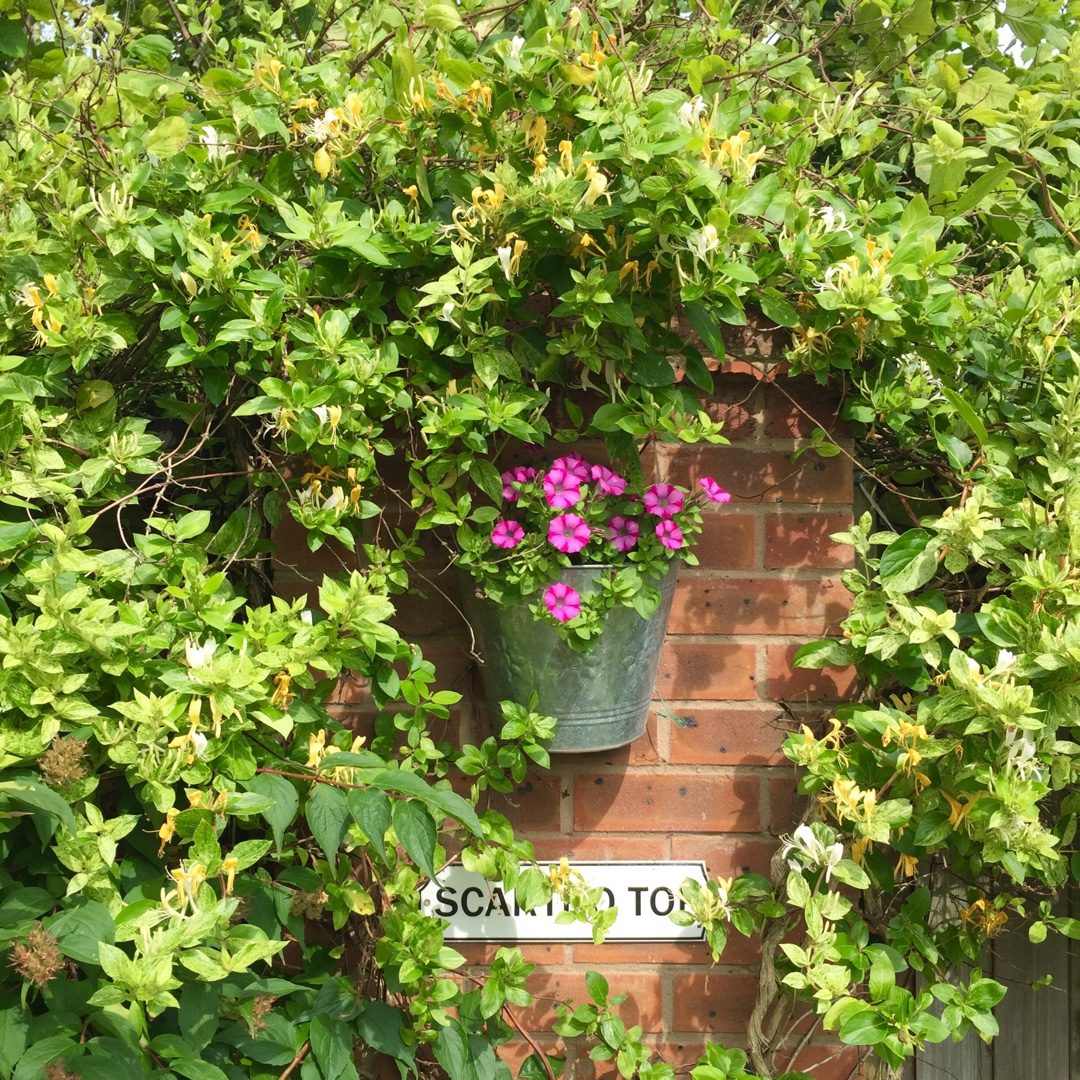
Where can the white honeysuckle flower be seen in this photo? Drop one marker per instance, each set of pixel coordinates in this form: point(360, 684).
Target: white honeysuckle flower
point(836, 277)
point(973, 667)
point(702, 243)
point(114, 206)
point(505, 254)
point(690, 112)
point(806, 843)
point(216, 150)
point(334, 500)
point(447, 313)
point(322, 412)
point(1005, 660)
point(325, 127)
point(199, 655)
point(517, 43)
point(1020, 751)
point(198, 743)
point(834, 220)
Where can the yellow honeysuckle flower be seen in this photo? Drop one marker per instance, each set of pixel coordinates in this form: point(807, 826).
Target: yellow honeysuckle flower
point(309, 103)
point(230, 866)
point(566, 156)
point(282, 697)
point(50, 284)
point(195, 800)
point(168, 828)
point(539, 163)
point(905, 866)
point(413, 192)
point(627, 270)
point(316, 748)
point(322, 162)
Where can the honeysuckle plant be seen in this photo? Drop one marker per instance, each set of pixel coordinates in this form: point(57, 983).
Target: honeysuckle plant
point(577, 513)
point(320, 265)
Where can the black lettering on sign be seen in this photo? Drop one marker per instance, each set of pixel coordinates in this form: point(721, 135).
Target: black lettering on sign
point(637, 890)
point(445, 895)
point(464, 902)
point(609, 896)
point(670, 901)
point(497, 900)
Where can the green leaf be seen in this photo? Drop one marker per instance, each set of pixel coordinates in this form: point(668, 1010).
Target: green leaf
point(865, 1028)
point(707, 329)
point(168, 138)
point(597, 986)
point(13, 534)
point(969, 415)
point(327, 814)
point(332, 1045)
point(286, 801)
point(195, 1069)
point(371, 811)
point(417, 834)
point(80, 930)
point(449, 802)
point(532, 888)
point(909, 562)
point(192, 525)
point(779, 310)
point(13, 1030)
point(40, 798)
point(442, 17)
point(199, 1011)
point(819, 654)
point(649, 369)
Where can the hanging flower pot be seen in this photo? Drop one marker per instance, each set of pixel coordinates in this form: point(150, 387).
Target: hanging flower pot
point(600, 698)
point(570, 590)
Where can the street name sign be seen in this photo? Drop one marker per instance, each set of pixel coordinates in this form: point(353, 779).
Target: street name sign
point(645, 893)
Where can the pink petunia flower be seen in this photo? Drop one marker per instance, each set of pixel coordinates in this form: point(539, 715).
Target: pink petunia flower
point(663, 500)
point(568, 533)
point(561, 489)
point(623, 533)
point(610, 483)
point(507, 534)
point(562, 601)
point(714, 491)
point(670, 535)
point(573, 465)
point(520, 474)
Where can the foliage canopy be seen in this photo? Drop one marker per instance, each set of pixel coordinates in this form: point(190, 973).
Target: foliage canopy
point(256, 255)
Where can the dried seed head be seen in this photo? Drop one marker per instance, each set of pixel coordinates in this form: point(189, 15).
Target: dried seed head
point(260, 1006)
point(308, 904)
point(63, 763)
point(38, 959)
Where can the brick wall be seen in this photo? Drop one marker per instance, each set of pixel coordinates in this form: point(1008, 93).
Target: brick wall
point(712, 786)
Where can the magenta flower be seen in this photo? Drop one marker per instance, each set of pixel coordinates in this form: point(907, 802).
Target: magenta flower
point(507, 534)
point(573, 465)
point(520, 474)
point(568, 533)
point(623, 533)
point(561, 489)
point(664, 501)
point(562, 601)
point(714, 491)
point(670, 535)
point(610, 483)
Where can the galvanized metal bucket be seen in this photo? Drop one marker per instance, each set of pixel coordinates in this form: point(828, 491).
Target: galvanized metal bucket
point(601, 700)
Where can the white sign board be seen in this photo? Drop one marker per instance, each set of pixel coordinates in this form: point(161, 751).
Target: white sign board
point(644, 892)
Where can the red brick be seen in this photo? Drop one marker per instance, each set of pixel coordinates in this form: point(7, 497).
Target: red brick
point(713, 1002)
point(726, 856)
point(642, 751)
point(709, 605)
point(292, 554)
point(761, 476)
point(479, 953)
point(708, 671)
point(802, 540)
point(642, 952)
point(642, 1006)
point(662, 802)
point(602, 848)
point(831, 1062)
point(533, 805)
point(515, 1052)
point(809, 406)
point(434, 613)
point(734, 404)
point(786, 805)
point(728, 735)
point(726, 541)
point(806, 684)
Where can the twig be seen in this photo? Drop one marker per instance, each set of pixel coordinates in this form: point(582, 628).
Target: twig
point(300, 1054)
